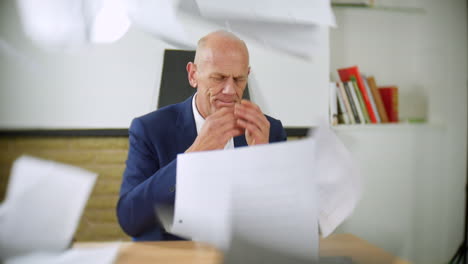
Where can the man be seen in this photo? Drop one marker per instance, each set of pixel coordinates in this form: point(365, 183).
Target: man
point(216, 117)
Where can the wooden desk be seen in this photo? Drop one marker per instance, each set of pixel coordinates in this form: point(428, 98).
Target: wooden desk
point(359, 250)
point(185, 252)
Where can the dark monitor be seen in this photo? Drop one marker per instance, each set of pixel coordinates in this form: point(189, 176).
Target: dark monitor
point(175, 87)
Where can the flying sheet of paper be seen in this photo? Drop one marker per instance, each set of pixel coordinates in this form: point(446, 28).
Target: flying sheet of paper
point(70, 24)
point(203, 198)
point(299, 40)
point(265, 193)
point(101, 255)
point(275, 199)
point(111, 22)
point(289, 28)
point(160, 19)
point(339, 181)
point(203, 176)
point(295, 38)
point(43, 205)
point(317, 12)
point(56, 23)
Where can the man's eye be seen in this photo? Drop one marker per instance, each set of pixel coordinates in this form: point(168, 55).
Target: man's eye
point(218, 78)
point(240, 79)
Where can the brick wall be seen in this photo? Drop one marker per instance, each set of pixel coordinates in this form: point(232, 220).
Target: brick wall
point(103, 155)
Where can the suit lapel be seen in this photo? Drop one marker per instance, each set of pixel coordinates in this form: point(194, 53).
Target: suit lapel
point(185, 123)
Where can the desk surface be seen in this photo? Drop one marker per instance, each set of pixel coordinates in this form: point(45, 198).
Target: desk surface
point(194, 252)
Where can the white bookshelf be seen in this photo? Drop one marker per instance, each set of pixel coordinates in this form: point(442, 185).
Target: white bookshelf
point(414, 173)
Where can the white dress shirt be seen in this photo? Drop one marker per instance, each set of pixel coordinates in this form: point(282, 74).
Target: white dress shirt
point(199, 121)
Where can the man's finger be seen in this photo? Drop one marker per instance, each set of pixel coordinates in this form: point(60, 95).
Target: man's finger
point(249, 104)
point(221, 112)
point(255, 135)
point(252, 116)
point(220, 118)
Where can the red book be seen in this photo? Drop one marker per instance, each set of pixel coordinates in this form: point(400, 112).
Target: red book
point(345, 75)
point(389, 96)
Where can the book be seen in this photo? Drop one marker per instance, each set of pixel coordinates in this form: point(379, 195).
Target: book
point(345, 75)
point(343, 116)
point(361, 102)
point(349, 110)
point(355, 100)
point(389, 96)
point(333, 107)
point(352, 103)
point(371, 97)
point(378, 99)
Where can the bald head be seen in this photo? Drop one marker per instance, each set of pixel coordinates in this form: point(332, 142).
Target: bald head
point(220, 41)
point(219, 71)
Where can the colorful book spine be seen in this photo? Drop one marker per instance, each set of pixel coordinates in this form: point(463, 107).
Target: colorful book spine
point(352, 103)
point(389, 96)
point(343, 115)
point(372, 99)
point(349, 110)
point(345, 74)
point(361, 102)
point(333, 104)
point(362, 120)
point(378, 99)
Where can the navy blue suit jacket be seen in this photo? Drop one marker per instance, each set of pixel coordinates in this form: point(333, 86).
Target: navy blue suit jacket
point(150, 175)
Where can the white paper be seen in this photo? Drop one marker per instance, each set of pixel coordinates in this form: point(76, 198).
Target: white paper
point(202, 203)
point(290, 28)
point(299, 40)
point(111, 22)
point(43, 205)
point(275, 198)
point(280, 27)
point(265, 193)
point(57, 23)
point(100, 255)
point(317, 12)
point(160, 19)
point(339, 182)
point(219, 192)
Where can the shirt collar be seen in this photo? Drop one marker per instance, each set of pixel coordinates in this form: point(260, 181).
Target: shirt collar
point(199, 120)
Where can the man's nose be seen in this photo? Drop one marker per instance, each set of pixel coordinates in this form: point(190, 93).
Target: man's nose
point(229, 86)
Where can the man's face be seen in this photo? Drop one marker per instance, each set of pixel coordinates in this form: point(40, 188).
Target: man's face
point(221, 77)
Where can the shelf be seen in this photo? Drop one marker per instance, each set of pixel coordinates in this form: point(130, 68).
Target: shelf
point(401, 9)
point(388, 126)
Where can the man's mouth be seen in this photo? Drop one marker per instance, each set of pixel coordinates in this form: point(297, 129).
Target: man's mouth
point(225, 103)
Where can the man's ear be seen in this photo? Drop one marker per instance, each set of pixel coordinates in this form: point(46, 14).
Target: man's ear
point(191, 72)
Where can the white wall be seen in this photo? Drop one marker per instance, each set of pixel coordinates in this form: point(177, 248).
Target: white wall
point(403, 199)
point(105, 86)
point(415, 175)
point(101, 86)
